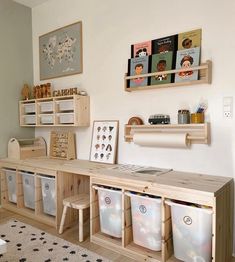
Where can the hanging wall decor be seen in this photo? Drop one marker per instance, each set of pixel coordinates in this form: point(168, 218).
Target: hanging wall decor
point(60, 52)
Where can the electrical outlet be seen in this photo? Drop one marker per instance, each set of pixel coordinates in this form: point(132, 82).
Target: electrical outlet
point(227, 114)
point(228, 107)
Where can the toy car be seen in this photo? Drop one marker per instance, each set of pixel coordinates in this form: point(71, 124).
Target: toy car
point(159, 119)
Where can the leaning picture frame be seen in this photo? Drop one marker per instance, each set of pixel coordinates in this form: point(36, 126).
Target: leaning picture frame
point(60, 52)
point(104, 141)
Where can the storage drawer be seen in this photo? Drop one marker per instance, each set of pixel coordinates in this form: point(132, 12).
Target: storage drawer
point(46, 107)
point(29, 108)
point(46, 119)
point(66, 118)
point(65, 105)
point(30, 120)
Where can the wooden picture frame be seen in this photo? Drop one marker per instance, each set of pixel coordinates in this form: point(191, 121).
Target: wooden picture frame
point(104, 141)
point(60, 52)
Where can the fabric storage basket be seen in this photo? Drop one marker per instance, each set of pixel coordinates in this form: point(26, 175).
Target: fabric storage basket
point(48, 194)
point(46, 107)
point(11, 184)
point(29, 108)
point(46, 119)
point(192, 232)
point(110, 202)
point(66, 118)
point(28, 189)
point(30, 120)
point(146, 220)
point(66, 105)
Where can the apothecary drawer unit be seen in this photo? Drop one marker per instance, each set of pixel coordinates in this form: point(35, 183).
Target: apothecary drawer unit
point(72, 110)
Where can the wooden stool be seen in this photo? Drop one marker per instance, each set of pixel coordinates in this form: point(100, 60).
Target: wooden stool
point(80, 202)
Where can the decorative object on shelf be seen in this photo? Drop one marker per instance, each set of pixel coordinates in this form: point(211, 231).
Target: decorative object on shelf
point(183, 116)
point(60, 52)
point(104, 141)
point(62, 145)
point(66, 92)
point(26, 148)
point(182, 134)
point(135, 120)
point(42, 91)
point(197, 118)
point(159, 119)
point(25, 92)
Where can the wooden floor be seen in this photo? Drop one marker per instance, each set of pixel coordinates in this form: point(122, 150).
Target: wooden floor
point(69, 235)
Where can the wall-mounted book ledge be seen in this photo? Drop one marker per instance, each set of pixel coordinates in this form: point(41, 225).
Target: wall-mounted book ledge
point(168, 135)
point(205, 76)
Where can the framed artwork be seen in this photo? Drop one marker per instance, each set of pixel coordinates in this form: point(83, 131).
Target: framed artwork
point(104, 141)
point(60, 52)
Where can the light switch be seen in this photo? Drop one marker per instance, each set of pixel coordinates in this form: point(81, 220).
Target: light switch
point(228, 107)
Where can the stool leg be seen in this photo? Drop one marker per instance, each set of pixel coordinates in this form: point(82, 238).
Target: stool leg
point(63, 219)
point(80, 225)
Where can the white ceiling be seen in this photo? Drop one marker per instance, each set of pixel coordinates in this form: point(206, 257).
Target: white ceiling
point(31, 3)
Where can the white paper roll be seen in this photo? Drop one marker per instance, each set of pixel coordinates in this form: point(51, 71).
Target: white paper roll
point(176, 140)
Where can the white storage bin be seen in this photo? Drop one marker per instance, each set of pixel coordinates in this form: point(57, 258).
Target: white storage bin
point(65, 105)
point(110, 202)
point(29, 108)
point(46, 119)
point(192, 232)
point(28, 189)
point(146, 221)
point(48, 194)
point(46, 107)
point(66, 118)
point(30, 120)
point(11, 184)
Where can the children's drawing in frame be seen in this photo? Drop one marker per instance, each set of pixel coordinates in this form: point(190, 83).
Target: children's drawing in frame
point(104, 141)
point(60, 52)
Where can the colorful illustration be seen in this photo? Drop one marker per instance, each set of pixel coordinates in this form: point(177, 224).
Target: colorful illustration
point(141, 49)
point(165, 44)
point(190, 39)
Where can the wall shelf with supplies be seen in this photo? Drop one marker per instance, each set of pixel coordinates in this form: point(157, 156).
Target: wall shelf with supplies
point(205, 77)
point(194, 133)
point(71, 110)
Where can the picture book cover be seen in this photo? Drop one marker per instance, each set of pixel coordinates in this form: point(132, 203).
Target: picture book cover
point(186, 59)
point(138, 66)
point(161, 62)
point(165, 44)
point(141, 49)
point(190, 39)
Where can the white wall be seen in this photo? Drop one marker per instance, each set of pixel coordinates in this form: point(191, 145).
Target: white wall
point(109, 28)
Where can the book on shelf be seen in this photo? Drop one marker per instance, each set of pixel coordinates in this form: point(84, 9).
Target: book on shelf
point(190, 39)
point(141, 49)
point(138, 66)
point(165, 44)
point(161, 62)
point(186, 59)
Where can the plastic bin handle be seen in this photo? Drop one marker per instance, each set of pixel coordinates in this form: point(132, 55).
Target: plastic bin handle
point(46, 177)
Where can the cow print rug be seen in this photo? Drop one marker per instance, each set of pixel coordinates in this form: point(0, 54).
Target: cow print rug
point(29, 244)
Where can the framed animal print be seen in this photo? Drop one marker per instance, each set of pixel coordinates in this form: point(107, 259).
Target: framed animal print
point(104, 141)
point(60, 52)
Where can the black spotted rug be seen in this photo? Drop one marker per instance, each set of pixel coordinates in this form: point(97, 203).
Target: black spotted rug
point(29, 244)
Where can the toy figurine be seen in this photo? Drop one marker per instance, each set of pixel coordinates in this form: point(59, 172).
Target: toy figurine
point(25, 92)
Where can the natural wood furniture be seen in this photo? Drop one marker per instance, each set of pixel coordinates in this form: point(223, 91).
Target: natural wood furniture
point(3, 246)
point(71, 110)
point(80, 202)
point(77, 177)
point(197, 133)
point(205, 75)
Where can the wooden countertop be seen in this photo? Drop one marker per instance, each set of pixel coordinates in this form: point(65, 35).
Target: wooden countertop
point(207, 184)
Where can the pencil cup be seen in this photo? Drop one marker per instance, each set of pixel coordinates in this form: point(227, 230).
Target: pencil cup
point(197, 118)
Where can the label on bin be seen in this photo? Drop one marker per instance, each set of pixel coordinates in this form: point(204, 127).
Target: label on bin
point(187, 220)
point(10, 178)
point(143, 209)
point(47, 186)
point(26, 181)
point(107, 200)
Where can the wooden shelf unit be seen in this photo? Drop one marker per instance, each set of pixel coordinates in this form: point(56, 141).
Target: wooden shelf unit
point(127, 247)
point(205, 77)
point(197, 133)
point(71, 110)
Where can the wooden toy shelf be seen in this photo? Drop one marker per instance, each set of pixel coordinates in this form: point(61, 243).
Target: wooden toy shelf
point(71, 110)
point(205, 76)
point(197, 133)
